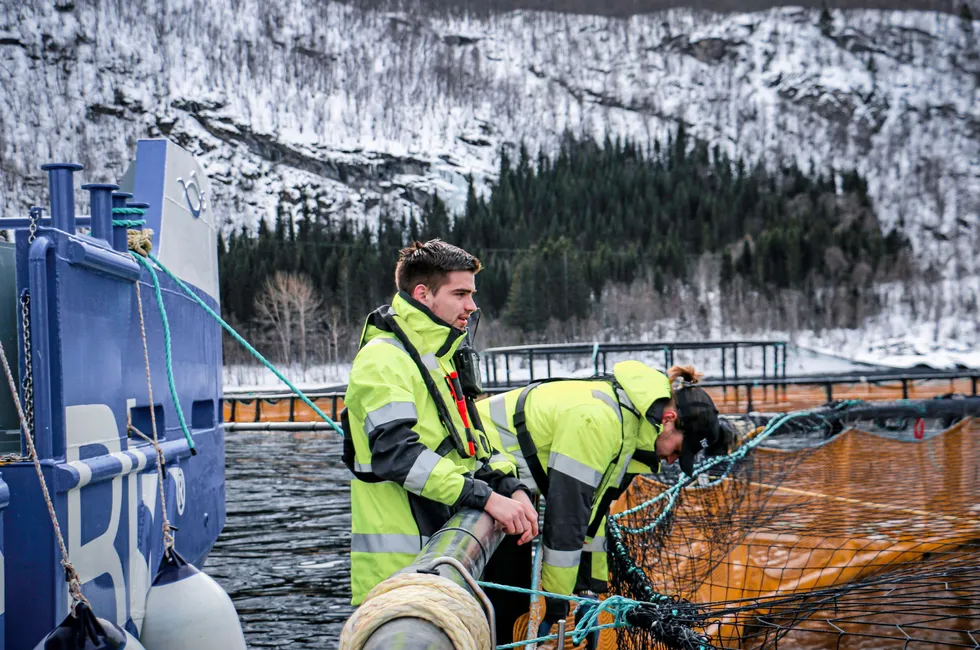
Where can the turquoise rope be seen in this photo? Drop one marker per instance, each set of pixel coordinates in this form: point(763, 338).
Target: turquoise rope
point(166, 346)
point(616, 605)
point(619, 605)
point(615, 531)
point(553, 637)
point(738, 454)
point(238, 337)
point(128, 223)
point(532, 592)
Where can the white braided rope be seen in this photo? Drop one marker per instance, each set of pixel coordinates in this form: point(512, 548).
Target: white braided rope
point(168, 537)
point(419, 595)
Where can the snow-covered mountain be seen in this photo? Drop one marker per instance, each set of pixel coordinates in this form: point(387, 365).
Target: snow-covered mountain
point(364, 107)
point(352, 110)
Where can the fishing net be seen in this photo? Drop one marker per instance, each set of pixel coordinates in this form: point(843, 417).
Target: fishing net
point(851, 526)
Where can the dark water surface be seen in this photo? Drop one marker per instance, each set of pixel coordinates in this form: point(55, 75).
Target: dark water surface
point(283, 556)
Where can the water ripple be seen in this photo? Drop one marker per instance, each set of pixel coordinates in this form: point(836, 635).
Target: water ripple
point(283, 556)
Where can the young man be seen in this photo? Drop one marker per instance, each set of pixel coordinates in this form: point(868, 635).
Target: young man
point(579, 442)
point(415, 453)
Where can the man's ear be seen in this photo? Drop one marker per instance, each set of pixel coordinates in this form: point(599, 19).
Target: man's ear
point(670, 415)
point(419, 292)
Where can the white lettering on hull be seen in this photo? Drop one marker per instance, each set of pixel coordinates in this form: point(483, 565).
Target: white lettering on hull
point(95, 424)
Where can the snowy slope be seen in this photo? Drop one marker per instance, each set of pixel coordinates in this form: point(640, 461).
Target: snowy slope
point(348, 111)
point(361, 107)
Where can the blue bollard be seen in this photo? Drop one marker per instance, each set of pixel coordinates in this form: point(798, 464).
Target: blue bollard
point(100, 197)
point(62, 190)
point(118, 240)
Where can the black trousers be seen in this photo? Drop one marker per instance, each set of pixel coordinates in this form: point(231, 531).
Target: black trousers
point(510, 565)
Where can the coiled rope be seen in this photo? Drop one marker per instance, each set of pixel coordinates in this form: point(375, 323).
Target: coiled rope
point(420, 595)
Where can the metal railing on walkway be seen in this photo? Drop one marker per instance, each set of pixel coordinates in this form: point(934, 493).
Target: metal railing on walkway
point(500, 364)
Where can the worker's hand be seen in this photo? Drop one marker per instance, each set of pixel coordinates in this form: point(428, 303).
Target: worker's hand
point(507, 512)
point(530, 516)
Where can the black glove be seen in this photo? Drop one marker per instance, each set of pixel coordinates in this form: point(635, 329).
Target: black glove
point(555, 610)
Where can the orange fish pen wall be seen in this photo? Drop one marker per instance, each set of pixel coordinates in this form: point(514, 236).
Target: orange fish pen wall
point(279, 409)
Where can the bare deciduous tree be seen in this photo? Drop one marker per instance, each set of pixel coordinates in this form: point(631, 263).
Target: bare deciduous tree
point(290, 306)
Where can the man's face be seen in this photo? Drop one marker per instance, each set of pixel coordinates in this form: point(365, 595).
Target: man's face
point(453, 302)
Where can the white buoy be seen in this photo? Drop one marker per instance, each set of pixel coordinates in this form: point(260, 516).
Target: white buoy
point(187, 609)
point(85, 631)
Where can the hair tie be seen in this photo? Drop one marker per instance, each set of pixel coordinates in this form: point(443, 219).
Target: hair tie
point(681, 383)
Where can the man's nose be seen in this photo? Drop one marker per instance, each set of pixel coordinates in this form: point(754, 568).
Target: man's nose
point(470, 304)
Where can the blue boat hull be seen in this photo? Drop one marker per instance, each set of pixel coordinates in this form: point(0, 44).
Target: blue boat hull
point(90, 381)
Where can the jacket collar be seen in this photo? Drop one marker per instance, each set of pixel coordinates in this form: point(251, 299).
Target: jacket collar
point(428, 332)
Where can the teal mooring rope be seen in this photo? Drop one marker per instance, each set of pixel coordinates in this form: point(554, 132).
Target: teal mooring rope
point(238, 337)
point(167, 350)
point(166, 328)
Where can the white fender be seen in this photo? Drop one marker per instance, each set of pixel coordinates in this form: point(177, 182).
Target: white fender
point(187, 609)
point(85, 631)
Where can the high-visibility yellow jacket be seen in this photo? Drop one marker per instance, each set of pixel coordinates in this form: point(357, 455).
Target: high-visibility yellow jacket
point(585, 433)
point(413, 476)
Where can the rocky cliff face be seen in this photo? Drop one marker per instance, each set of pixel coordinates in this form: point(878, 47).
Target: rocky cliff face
point(355, 110)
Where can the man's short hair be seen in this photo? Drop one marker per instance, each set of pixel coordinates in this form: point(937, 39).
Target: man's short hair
point(430, 264)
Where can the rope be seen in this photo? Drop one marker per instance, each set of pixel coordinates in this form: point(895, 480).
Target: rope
point(238, 337)
point(618, 606)
point(536, 605)
point(671, 494)
point(74, 584)
point(615, 532)
point(167, 350)
point(138, 240)
point(419, 595)
point(141, 242)
point(168, 538)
